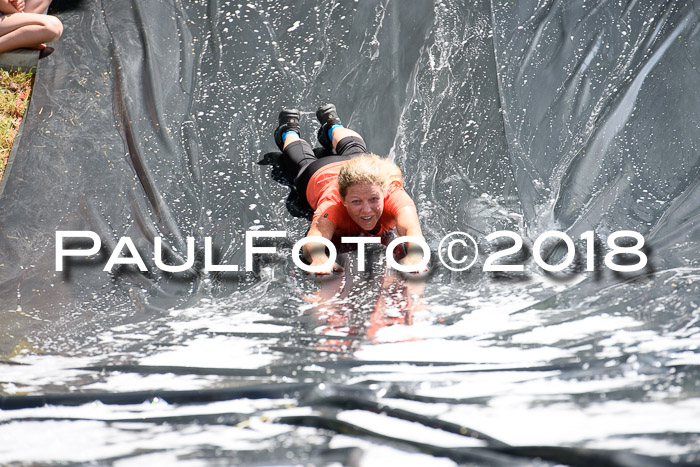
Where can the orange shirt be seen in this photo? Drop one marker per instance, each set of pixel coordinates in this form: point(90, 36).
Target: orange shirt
point(324, 198)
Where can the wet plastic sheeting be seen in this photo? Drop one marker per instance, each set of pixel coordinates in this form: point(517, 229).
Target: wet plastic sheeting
point(150, 119)
point(601, 112)
point(450, 138)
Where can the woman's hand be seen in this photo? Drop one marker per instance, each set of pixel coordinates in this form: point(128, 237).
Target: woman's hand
point(327, 269)
point(315, 253)
point(8, 7)
point(18, 4)
point(414, 259)
point(407, 224)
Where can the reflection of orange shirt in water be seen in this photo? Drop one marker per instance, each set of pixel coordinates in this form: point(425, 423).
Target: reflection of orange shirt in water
point(343, 321)
point(324, 198)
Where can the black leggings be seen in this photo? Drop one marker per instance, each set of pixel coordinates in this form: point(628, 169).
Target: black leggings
point(299, 160)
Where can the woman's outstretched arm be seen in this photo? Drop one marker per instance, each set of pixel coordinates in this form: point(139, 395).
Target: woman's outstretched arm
point(315, 253)
point(408, 225)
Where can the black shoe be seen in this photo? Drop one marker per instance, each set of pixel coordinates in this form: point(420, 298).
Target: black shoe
point(327, 116)
point(45, 52)
point(288, 121)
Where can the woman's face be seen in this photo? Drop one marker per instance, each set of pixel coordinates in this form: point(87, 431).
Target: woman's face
point(365, 204)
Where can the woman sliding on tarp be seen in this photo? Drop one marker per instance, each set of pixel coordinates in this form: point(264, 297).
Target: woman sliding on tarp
point(352, 193)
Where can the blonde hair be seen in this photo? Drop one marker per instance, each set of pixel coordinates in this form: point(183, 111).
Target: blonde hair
point(368, 168)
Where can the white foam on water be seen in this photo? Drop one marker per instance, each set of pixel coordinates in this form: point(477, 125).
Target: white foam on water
point(418, 370)
point(211, 318)
point(574, 330)
point(37, 371)
point(522, 420)
point(172, 457)
point(294, 26)
point(124, 382)
point(678, 348)
point(639, 444)
point(413, 431)
point(377, 455)
point(685, 358)
point(97, 411)
point(84, 440)
point(459, 351)
point(216, 352)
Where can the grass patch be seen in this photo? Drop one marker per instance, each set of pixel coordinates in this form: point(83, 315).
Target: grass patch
point(15, 89)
